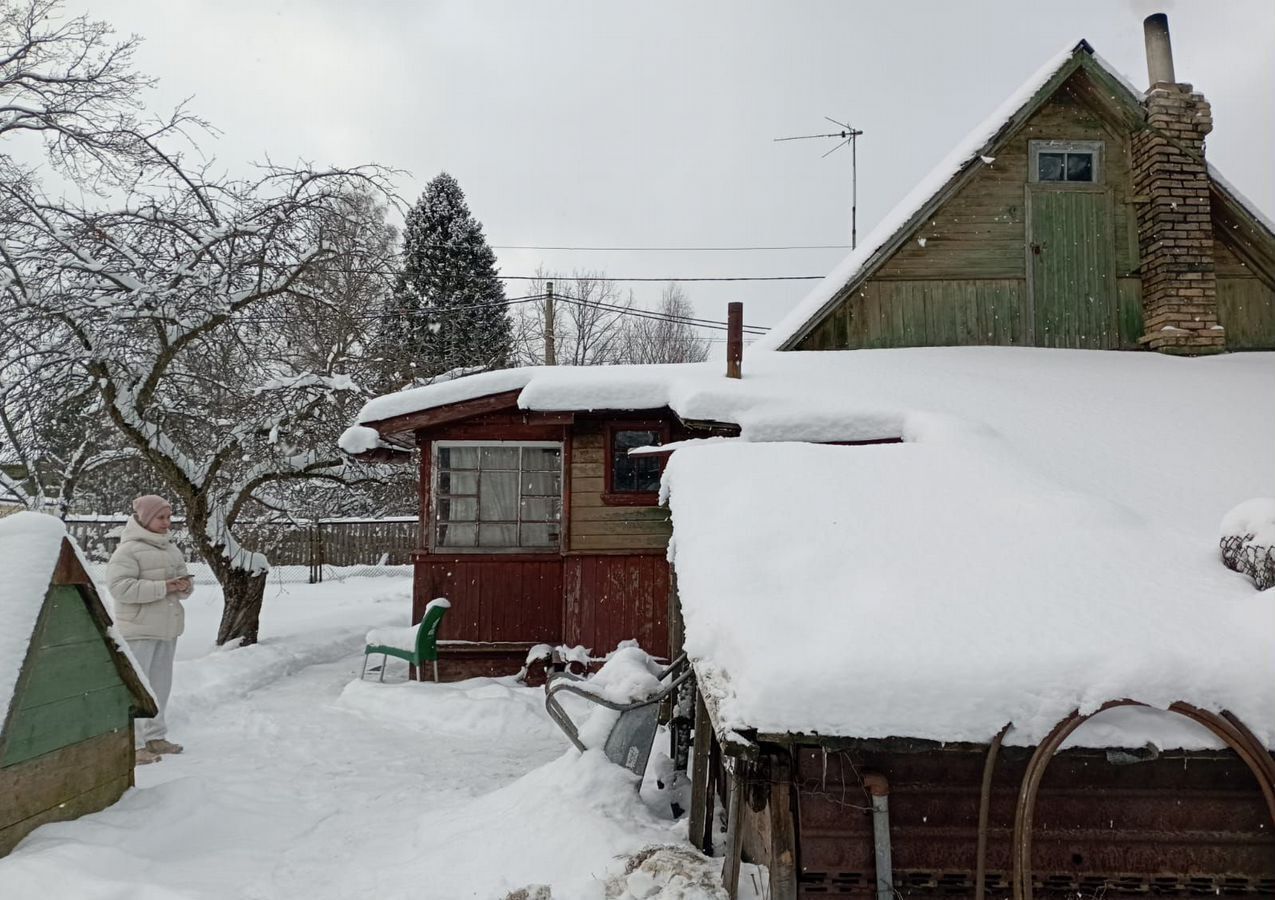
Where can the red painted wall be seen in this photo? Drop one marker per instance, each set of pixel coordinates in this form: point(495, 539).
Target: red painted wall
point(609, 599)
point(494, 598)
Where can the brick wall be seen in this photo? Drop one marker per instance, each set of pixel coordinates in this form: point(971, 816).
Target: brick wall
point(1175, 232)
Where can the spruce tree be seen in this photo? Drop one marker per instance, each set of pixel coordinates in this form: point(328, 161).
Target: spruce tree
point(454, 304)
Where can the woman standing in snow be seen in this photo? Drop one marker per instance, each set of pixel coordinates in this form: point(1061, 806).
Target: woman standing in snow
point(148, 580)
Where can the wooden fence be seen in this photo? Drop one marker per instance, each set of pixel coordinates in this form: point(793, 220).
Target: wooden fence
point(370, 543)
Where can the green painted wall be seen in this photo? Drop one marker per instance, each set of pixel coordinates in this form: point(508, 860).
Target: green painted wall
point(71, 690)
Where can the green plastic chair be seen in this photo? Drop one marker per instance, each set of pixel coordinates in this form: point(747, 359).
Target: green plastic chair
point(426, 644)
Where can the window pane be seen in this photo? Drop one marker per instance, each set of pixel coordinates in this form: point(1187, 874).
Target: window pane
point(501, 457)
point(498, 496)
point(457, 458)
point(450, 535)
point(637, 473)
point(541, 459)
point(539, 535)
point(540, 484)
point(498, 535)
point(457, 509)
point(1080, 167)
point(458, 482)
point(1050, 166)
point(634, 473)
point(542, 509)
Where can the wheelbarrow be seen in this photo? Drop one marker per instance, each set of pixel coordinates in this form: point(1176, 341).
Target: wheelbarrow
point(629, 743)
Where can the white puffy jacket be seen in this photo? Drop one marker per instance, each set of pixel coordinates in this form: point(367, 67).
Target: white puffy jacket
point(137, 573)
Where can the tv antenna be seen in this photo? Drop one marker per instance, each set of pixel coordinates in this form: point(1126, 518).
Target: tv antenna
point(848, 135)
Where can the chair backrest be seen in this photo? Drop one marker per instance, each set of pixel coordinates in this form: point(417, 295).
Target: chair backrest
point(427, 633)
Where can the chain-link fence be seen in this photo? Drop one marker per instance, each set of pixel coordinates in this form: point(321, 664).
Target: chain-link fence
point(299, 551)
point(1255, 560)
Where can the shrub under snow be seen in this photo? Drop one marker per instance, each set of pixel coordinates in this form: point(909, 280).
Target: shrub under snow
point(1248, 540)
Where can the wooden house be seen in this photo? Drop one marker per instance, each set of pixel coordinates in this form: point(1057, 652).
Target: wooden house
point(1081, 214)
point(67, 686)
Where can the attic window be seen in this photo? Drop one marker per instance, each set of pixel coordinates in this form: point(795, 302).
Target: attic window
point(1066, 162)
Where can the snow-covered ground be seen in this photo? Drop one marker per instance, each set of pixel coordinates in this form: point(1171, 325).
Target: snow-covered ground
point(299, 780)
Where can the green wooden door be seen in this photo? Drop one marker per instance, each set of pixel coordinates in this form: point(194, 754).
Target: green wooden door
point(1070, 259)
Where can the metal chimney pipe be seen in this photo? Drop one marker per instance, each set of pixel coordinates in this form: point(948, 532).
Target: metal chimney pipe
point(734, 340)
point(1159, 50)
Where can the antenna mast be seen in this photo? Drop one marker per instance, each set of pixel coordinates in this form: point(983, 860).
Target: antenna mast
point(848, 135)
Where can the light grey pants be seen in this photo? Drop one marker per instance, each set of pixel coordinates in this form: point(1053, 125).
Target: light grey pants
point(156, 660)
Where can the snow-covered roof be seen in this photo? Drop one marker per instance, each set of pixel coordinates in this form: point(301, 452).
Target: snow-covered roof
point(971, 152)
point(1044, 540)
point(30, 545)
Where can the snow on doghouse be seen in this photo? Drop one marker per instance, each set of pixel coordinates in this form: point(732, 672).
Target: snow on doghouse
point(902, 635)
point(68, 687)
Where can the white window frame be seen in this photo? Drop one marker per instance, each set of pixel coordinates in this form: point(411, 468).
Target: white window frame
point(1094, 148)
point(436, 471)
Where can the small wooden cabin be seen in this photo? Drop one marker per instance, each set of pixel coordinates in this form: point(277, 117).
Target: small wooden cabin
point(538, 526)
point(67, 685)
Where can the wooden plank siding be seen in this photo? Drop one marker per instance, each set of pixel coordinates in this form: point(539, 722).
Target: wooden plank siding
point(71, 690)
point(595, 526)
point(961, 277)
point(617, 598)
point(1245, 302)
point(54, 787)
point(494, 598)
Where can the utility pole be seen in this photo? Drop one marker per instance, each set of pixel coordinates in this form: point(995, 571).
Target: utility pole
point(551, 353)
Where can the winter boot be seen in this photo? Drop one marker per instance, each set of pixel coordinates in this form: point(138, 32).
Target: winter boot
point(144, 757)
point(163, 747)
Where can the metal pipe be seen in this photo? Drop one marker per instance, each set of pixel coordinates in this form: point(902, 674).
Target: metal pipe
point(984, 809)
point(1155, 29)
point(879, 789)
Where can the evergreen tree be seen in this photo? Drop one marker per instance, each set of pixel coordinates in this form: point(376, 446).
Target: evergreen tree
point(455, 312)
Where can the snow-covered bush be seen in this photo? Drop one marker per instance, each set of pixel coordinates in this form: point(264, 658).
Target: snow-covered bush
point(1248, 540)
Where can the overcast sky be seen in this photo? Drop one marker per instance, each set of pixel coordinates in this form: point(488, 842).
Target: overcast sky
point(652, 123)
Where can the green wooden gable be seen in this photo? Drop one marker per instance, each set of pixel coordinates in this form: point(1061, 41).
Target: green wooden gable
point(75, 683)
point(72, 690)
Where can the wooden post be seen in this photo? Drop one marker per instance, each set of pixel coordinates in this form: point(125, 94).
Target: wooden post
point(734, 340)
point(783, 829)
point(701, 824)
point(735, 827)
point(551, 353)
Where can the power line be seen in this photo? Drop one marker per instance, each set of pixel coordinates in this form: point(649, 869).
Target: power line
point(714, 324)
point(662, 278)
point(670, 249)
point(599, 277)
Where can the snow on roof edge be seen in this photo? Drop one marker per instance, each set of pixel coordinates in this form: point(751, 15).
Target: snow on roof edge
point(966, 151)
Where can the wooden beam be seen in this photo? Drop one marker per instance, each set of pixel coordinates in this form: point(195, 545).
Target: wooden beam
point(783, 829)
point(735, 828)
point(700, 831)
point(451, 412)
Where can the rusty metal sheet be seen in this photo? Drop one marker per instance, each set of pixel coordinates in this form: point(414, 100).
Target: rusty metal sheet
point(1180, 825)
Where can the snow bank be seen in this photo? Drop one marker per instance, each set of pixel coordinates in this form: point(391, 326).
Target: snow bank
point(564, 825)
point(940, 589)
point(479, 708)
point(30, 544)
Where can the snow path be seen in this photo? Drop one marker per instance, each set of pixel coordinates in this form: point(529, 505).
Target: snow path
point(300, 781)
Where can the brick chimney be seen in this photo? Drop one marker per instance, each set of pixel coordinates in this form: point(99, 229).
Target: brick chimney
point(1175, 229)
